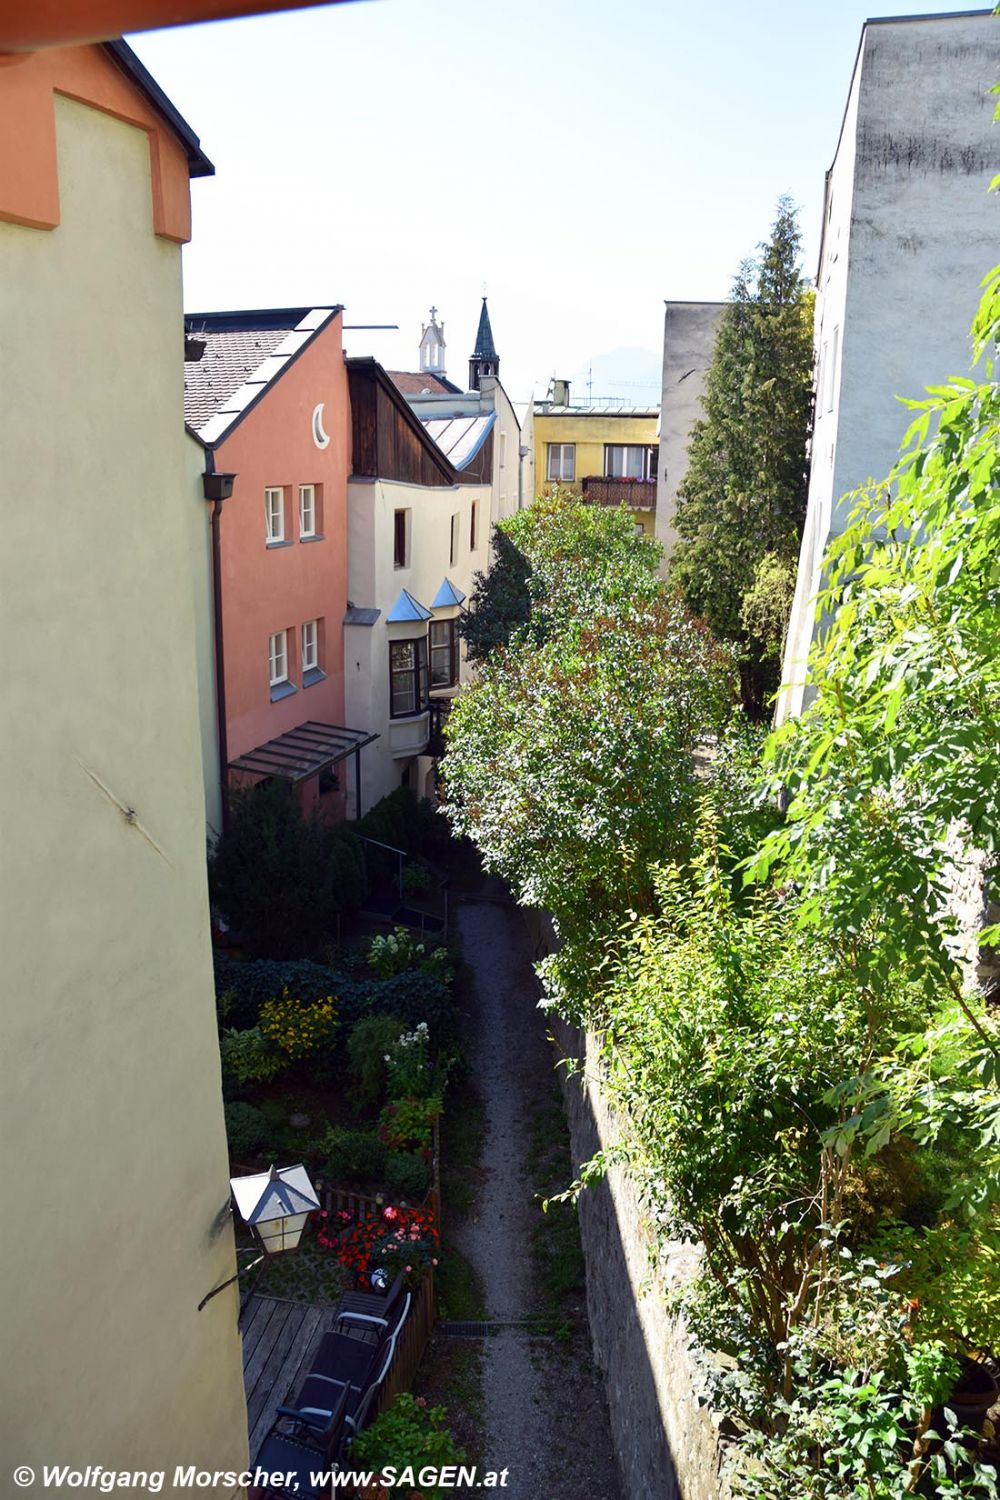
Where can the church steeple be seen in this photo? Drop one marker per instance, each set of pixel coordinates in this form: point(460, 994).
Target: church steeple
point(485, 360)
point(432, 347)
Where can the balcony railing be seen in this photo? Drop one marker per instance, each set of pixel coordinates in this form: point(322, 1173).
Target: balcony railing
point(640, 494)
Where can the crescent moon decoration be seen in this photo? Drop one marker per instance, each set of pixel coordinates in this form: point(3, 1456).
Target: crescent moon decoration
point(320, 438)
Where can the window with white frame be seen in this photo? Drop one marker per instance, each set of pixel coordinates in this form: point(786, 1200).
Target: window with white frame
point(277, 649)
point(561, 463)
point(407, 677)
point(310, 645)
point(453, 549)
point(307, 510)
point(274, 514)
point(629, 461)
point(444, 653)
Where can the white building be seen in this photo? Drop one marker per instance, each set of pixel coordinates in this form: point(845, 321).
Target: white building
point(418, 532)
point(689, 330)
point(909, 230)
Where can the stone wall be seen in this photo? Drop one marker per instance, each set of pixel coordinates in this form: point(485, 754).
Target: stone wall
point(666, 1436)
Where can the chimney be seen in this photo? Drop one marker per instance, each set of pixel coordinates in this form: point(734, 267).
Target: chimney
point(560, 392)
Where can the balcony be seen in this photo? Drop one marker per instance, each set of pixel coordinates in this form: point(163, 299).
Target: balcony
point(639, 494)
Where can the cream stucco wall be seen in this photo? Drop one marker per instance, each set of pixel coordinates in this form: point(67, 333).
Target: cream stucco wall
point(110, 1104)
point(375, 582)
point(909, 230)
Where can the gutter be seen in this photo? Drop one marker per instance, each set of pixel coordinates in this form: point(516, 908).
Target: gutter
point(217, 488)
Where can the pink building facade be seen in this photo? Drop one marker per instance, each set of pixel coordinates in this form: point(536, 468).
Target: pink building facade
point(266, 395)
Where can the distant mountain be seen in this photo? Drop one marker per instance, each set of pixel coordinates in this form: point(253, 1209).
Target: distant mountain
point(631, 376)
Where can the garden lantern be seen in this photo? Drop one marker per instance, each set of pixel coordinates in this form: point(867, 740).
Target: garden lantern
point(276, 1205)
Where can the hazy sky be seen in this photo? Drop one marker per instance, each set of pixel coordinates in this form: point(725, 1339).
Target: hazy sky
point(585, 159)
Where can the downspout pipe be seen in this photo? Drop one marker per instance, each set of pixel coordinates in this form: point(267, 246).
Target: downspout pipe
point(217, 488)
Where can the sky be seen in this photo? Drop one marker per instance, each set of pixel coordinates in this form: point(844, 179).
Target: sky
point(579, 160)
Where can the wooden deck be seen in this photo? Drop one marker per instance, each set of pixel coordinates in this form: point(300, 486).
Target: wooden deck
point(279, 1341)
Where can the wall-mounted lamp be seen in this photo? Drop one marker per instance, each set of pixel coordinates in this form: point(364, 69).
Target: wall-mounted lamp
point(218, 486)
point(275, 1204)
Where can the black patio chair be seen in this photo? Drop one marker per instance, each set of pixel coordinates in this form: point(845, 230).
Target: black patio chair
point(320, 1392)
point(372, 1312)
point(303, 1447)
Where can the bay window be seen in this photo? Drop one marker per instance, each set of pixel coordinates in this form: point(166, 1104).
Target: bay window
point(444, 653)
point(408, 688)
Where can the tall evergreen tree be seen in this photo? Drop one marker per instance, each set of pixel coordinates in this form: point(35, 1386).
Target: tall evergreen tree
point(742, 505)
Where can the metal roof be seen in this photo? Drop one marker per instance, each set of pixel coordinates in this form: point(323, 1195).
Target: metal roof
point(546, 409)
point(447, 595)
point(459, 438)
point(405, 609)
point(303, 751)
point(485, 347)
point(358, 614)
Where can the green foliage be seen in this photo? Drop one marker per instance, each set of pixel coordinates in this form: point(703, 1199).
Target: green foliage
point(409, 1434)
point(246, 1130)
point(353, 1156)
point(407, 1175)
point(899, 747)
point(416, 880)
point(412, 996)
point(406, 1124)
point(280, 878)
point(742, 504)
point(569, 761)
point(248, 1057)
point(408, 1064)
point(397, 951)
point(400, 819)
point(367, 1048)
point(501, 599)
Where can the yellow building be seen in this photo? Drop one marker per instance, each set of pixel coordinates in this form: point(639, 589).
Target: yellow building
point(605, 453)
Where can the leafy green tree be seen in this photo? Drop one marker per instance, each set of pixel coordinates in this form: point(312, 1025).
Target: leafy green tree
point(279, 878)
point(501, 599)
point(570, 760)
point(742, 504)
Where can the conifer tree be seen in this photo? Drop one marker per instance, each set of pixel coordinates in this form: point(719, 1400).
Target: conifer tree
point(742, 505)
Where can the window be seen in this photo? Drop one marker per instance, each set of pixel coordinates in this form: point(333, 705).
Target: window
point(407, 677)
point(472, 525)
point(444, 653)
point(310, 646)
point(307, 510)
point(453, 550)
point(629, 461)
point(503, 449)
point(274, 514)
point(278, 657)
point(400, 539)
point(561, 462)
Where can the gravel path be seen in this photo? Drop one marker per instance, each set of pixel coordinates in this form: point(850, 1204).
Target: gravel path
point(546, 1417)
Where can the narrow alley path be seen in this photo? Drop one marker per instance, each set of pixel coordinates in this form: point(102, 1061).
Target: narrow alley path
point(545, 1413)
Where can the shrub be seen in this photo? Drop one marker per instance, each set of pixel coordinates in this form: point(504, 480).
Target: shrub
point(353, 1155)
point(367, 1045)
point(399, 1239)
point(246, 1130)
point(412, 997)
point(409, 1434)
point(407, 1123)
point(248, 1057)
point(280, 878)
point(416, 879)
point(406, 1174)
point(244, 985)
point(407, 1064)
point(298, 1027)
